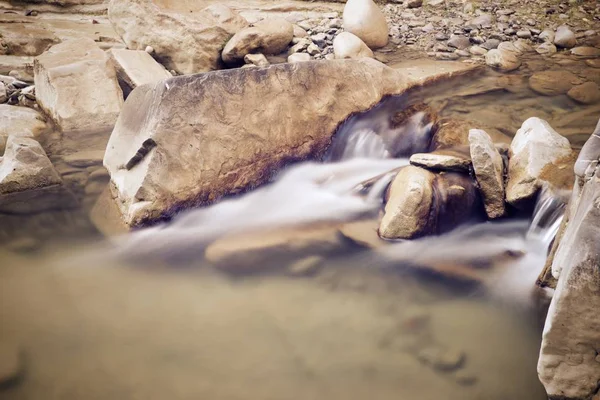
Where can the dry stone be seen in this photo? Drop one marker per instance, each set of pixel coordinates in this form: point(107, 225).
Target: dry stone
point(136, 67)
point(347, 45)
point(489, 172)
point(364, 19)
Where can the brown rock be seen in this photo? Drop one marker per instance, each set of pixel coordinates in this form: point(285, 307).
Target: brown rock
point(552, 83)
point(489, 171)
point(25, 39)
point(452, 132)
point(444, 160)
point(587, 93)
point(585, 52)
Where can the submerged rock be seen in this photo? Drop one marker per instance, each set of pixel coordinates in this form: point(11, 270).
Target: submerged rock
point(552, 83)
point(186, 43)
point(174, 147)
point(538, 154)
point(364, 19)
point(271, 36)
point(422, 203)
point(569, 365)
point(28, 180)
point(502, 60)
point(586, 93)
point(489, 172)
point(347, 45)
point(77, 86)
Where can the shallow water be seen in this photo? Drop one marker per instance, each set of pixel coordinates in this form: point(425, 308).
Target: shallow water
point(97, 328)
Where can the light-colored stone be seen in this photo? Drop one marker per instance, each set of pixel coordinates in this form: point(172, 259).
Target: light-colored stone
point(271, 36)
point(256, 251)
point(587, 93)
point(205, 150)
point(137, 67)
point(348, 45)
point(364, 19)
point(25, 39)
point(547, 35)
point(537, 154)
point(565, 37)
point(185, 42)
point(546, 48)
point(363, 233)
point(441, 161)
point(77, 86)
point(585, 52)
point(299, 32)
point(21, 121)
point(489, 172)
point(569, 365)
point(553, 83)
point(298, 57)
point(502, 60)
point(28, 180)
point(256, 59)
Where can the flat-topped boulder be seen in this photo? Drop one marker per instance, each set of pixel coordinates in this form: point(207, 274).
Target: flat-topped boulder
point(174, 146)
point(187, 43)
point(136, 67)
point(76, 85)
point(20, 121)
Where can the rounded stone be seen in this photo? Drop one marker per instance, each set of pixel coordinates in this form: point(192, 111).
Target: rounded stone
point(502, 60)
point(348, 45)
point(364, 19)
point(587, 93)
point(552, 83)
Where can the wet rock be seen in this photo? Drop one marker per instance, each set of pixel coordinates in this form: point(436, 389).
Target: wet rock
point(478, 51)
point(136, 67)
point(593, 63)
point(546, 48)
point(20, 121)
point(256, 59)
point(28, 180)
point(536, 152)
point(489, 172)
point(568, 364)
point(547, 35)
point(414, 3)
point(444, 160)
point(453, 132)
point(270, 36)
point(565, 37)
point(364, 19)
point(347, 45)
point(257, 251)
point(422, 203)
point(208, 151)
point(585, 52)
point(362, 233)
point(459, 42)
point(587, 93)
point(442, 359)
point(306, 266)
point(77, 86)
point(502, 60)
point(199, 39)
point(590, 74)
point(11, 363)
point(552, 83)
point(299, 57)
point(524, 34)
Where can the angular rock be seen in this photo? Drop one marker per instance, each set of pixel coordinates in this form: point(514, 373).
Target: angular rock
point(299, 57)
point(136, 67)
point(502, 60)
point(422, 203)
point(489, 172)
point(20, 121)
point(568, 364)
point(256, 59)
point(257, 251)
point(191, 150)
point(538, 154)
point(565, 37)
point(77, 86)
point(28, 180)
point(364, 19)
point(271, 36)
point(444, 160)
point(347, 45)
point(187, 43)
point(553, 83)
point(587, 93)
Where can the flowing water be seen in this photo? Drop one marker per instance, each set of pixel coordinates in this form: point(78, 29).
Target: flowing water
point(144, 316)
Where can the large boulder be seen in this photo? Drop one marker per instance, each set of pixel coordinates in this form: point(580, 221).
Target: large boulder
point(422, 203)
point(569, 364)
point(28, 180)
point(186, 43)
point(364, 19)
point(538, 155)
point(271, 36)
point(174, 146)
point(76, 85)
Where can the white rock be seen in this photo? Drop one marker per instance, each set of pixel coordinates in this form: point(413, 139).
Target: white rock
point(20, 121)
point(364, 19)
point(77, 86)
point(187, 43)
point(535, 147)
point(298, 57)
point(502, 60)
point(137, 67)
point(347, 45)
point(270, 36)
point(565, 37)
point(489, 172)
